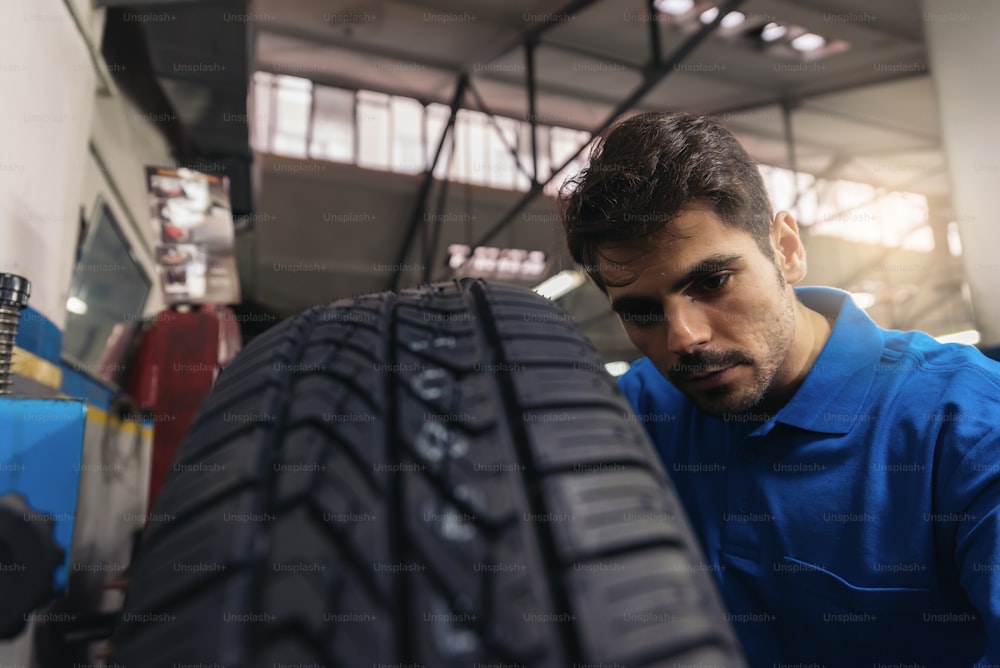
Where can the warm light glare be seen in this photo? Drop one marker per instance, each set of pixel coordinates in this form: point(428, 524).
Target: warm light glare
point(969, 337)
point(561, 284)
point(808, 42)
point(733, 19)
point(76, 305)
point(773, 31)
point(709, 15)
point(617, 368)
point(954, 240)
point(675, 7)
point(863, 299)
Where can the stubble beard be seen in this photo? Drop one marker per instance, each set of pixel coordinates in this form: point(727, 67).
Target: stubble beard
point(752, 396)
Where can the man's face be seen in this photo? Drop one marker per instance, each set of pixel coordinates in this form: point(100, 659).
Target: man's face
point(715, 315)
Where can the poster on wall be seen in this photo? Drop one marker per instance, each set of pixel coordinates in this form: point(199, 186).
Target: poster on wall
point(195, 250)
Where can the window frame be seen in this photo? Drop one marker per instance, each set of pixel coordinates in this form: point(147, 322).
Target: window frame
point(102, 207)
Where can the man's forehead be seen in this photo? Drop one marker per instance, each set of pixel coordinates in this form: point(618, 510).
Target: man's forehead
point(664, 253)
point(694, 239)
point(627, 257)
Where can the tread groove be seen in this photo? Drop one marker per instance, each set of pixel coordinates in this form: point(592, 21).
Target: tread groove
point(570, 641)
point(256, 547)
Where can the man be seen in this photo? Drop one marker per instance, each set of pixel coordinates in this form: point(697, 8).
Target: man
point(843, 479)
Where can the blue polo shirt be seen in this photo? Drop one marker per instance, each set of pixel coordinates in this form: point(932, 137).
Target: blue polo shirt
point(860, 525)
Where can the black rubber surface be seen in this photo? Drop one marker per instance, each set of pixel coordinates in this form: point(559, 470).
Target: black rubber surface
point(444, 477)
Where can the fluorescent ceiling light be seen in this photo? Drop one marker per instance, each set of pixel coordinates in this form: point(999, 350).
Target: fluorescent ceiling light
point(733, 19)
point(675, 7)
point(808, 42)
point(561, 284)
point(969, 337)
point(492, 262)
point(863, 299)
point(709, 15)
point(76, 305)
point(617, 368)
point(773, 31)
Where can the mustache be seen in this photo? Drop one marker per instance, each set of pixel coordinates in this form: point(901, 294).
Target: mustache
point(704, 362)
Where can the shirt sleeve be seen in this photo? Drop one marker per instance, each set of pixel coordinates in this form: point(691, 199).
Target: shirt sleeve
point(973, 493)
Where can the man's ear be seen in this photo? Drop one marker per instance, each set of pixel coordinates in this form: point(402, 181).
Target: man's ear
point(790, 254)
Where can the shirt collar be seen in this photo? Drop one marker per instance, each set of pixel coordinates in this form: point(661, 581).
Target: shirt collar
point(833, 396)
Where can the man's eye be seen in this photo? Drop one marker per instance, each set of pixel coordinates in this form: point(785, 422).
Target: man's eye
point(716, 282)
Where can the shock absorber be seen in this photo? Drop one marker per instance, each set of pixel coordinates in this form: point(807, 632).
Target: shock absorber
point(14, 293)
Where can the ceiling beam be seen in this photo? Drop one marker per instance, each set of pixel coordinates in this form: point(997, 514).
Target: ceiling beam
point(420, 205)
point(876, 26)
point(869, 121)
point(653, 78)
point(593, 55)
point(802, 95)
point(535, 32)
point(453, 68)
point(446, 68)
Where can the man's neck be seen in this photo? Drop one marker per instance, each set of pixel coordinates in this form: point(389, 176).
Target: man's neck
point(819, 332)
point(812, 331)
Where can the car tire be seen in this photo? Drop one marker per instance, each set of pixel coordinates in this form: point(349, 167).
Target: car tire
point(441, 477)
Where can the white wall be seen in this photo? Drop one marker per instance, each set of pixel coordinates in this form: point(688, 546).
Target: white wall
point(48, 88)
point(964, 52)
point(125, 140)
point(62, 117)
point(59, 111)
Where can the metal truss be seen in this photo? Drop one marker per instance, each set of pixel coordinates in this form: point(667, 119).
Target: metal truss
point(653, 74)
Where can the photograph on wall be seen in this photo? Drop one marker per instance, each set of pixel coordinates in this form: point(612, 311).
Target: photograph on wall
point(195, 252)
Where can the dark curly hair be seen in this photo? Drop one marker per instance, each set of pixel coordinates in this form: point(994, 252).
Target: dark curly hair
point(643, 171)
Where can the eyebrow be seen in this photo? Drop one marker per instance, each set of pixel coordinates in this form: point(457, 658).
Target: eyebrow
point(705, 267)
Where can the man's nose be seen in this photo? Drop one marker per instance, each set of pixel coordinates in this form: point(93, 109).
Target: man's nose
point(687, 329)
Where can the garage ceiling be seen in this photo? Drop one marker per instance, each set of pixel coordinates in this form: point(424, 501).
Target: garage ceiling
point(870, 103)
point(867, 114)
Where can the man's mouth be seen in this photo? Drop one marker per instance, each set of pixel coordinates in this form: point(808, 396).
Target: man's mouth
point(709, 373)
point(710, 379)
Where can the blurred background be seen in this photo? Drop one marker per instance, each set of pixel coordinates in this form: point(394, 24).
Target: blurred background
point(372, 145)
point(360, 146)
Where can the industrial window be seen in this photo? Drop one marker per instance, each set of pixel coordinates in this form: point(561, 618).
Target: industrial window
point(472, 132)
point(374, 130)
point(407, 135)
point(524, 151)
point(292, 98)
point(106, 298)
point(261, 118)
point(502, 167)
point(564, 143)
point(332, 135)
point(437, 120)
point(400, 134)
point(852, 211)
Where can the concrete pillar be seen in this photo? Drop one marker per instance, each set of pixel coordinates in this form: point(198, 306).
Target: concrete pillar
point(964, 56)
